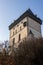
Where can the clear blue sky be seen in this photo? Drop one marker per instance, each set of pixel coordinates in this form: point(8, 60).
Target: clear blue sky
point(12, 9)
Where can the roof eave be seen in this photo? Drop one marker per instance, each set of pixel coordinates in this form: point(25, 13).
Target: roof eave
point(27, 13)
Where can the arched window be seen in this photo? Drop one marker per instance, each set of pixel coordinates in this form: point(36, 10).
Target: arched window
point(15, 31)
point(25, 24)
point(31, 33)
point(20, 28)
point(13, 41)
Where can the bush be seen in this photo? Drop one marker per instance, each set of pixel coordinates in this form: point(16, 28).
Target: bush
point(6, 60)
point(29, 52)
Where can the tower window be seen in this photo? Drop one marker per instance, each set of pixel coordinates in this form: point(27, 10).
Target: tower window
point(13, 41)
point(31, 33)
point(15, 31)
point(19, 37)
point(25, 24)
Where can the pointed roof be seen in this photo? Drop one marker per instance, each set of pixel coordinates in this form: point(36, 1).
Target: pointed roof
point(30, 11)
point(27, 13)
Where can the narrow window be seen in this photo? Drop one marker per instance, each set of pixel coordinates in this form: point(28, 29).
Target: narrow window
point(31, 33)
point(15, 31)
point(25, 24)
point(13, 41)
point(19, 37)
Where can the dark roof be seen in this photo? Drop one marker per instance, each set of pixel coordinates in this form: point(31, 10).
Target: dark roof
point(28, 13)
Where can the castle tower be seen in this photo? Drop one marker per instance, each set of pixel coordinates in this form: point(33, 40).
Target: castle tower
point(26, 24)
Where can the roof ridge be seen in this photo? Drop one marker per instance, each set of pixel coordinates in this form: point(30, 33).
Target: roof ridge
point(28, 13)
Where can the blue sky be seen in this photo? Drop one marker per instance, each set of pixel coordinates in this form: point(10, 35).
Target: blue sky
point(12, 9)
